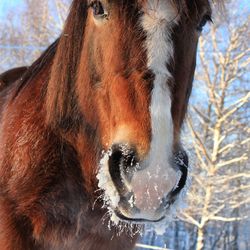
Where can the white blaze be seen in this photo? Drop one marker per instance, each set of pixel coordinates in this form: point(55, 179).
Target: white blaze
point(158, 178)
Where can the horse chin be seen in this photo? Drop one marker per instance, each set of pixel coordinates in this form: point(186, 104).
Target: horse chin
point(127, 212)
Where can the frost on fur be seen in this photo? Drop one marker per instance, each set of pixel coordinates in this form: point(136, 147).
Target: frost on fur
point(111, 196)
point(111, 200)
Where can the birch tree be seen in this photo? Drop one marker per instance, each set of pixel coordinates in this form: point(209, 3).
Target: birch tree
point(38, 24)
point(218, 125)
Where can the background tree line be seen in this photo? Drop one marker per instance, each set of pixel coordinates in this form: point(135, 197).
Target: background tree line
point(216, 130)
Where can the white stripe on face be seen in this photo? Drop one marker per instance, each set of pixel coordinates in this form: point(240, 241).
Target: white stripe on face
point(158, 178)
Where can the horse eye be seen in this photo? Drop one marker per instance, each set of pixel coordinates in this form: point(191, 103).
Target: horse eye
point(203, 22)
point(98, 9)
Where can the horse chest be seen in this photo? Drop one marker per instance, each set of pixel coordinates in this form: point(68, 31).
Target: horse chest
point(72, 223)
point(78, 226)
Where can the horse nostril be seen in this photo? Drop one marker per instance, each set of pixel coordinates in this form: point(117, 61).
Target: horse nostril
point(115, 157)
point(122, 164)
point(123, 156)
point(182, 158)
point(181, 161)
point(114, 166)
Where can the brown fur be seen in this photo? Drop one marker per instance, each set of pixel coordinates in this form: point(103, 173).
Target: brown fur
point(11, 76)
point(69, 106)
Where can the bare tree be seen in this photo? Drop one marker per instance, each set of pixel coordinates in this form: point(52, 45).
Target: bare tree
point(218, 124)
point(39, 25)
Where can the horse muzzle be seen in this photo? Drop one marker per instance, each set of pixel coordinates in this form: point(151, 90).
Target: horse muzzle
point(145, 193)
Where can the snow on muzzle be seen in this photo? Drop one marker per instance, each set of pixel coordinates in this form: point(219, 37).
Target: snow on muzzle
point(137, 190)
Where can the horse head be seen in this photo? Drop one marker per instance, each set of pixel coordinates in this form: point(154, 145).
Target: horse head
point(126, 68)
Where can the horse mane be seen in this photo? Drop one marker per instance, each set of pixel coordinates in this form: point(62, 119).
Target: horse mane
point(61, 99)
point(37, 66)
point(64, 55)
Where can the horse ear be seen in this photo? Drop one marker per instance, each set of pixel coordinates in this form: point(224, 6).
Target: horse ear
point(60, 96)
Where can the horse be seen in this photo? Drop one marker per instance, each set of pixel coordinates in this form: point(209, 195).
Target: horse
point(11, 76)
point(90, 132)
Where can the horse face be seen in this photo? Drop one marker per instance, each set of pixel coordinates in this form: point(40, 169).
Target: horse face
point(141, 65)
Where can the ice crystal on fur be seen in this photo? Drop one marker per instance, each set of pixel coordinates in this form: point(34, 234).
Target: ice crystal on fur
point(111, 199)
point(111, 196)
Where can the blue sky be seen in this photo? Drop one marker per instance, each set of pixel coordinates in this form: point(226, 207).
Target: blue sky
point(8, 5)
